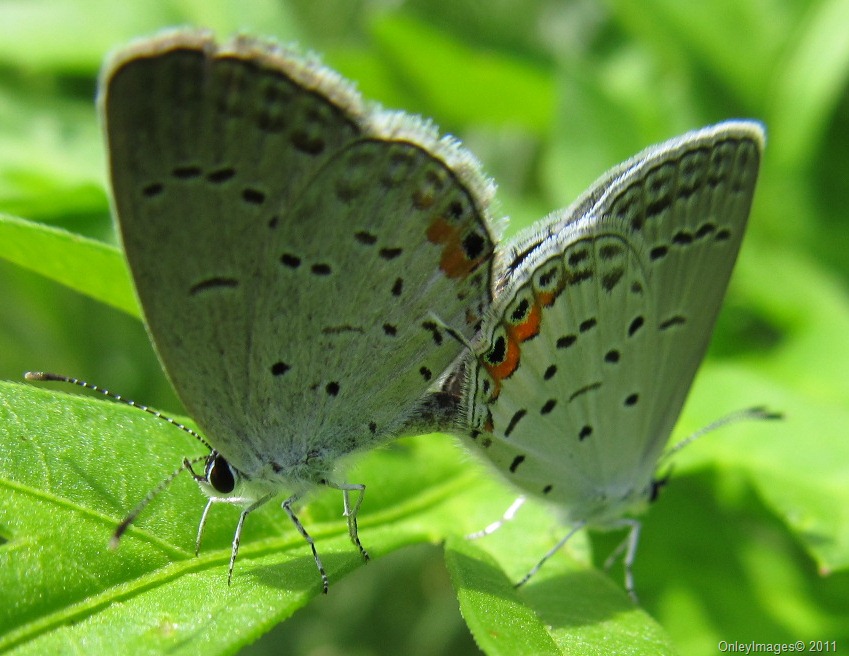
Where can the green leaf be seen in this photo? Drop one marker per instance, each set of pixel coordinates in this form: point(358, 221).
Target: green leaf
point(73, 36)
point(710, 36)
point(85, 265)
point(74, 466)
point(564, 609)
point(811, 83)
point(807, 487)
point(482, 89)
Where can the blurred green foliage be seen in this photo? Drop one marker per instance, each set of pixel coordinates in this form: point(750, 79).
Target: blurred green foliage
point(751, 539)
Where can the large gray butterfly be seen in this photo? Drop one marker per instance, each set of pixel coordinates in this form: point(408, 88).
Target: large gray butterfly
point(297, 254)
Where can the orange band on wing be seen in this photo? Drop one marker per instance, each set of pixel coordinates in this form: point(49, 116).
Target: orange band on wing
point(454, 262)
point(529, 327)
point(546, 299)
point(507, 365)
point(441, 231)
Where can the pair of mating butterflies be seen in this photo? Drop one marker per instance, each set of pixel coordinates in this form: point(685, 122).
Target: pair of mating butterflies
point(320, 276)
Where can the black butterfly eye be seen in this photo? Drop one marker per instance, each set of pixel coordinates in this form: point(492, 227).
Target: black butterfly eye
point(220, 474)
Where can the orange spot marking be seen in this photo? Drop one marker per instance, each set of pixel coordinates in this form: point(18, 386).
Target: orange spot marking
point(546, 299)
point(453, 262)
point(529, 327)
point(441, 231)
point(508, 365)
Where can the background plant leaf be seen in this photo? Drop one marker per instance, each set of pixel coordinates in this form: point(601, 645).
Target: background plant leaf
point(85, 265)
point(76, 465)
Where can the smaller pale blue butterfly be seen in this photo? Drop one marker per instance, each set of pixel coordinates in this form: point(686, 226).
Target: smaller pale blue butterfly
point(602, 316)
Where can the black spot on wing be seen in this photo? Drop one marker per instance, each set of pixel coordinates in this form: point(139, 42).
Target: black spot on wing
point(635, 326)
point(658, 252)
point(610, 279)
point(433, 329)
point(583, 390)
point(365, 237)
point(390, 253)
point(610, 251)
point(677, 320)
point(320, 269)
point(397, 286)
point(153, 189)
point(213, 283)
point(221, 175)
point(291, 261)
point(279, 368)
point(253, 196)
point(566, 341)
point(578, 256)
point(587, 325)
point(521, 310)
point(612, 356)
point(514, 421)
point(705, 230)
point(473, 245)
point(682, 238)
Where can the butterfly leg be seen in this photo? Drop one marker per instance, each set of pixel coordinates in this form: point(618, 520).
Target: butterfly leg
point(287, 506)
point(629, 547)
point(506, 517)
point(550, 553)
point(202, 525)
point(351, 513)
point(237, 537)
